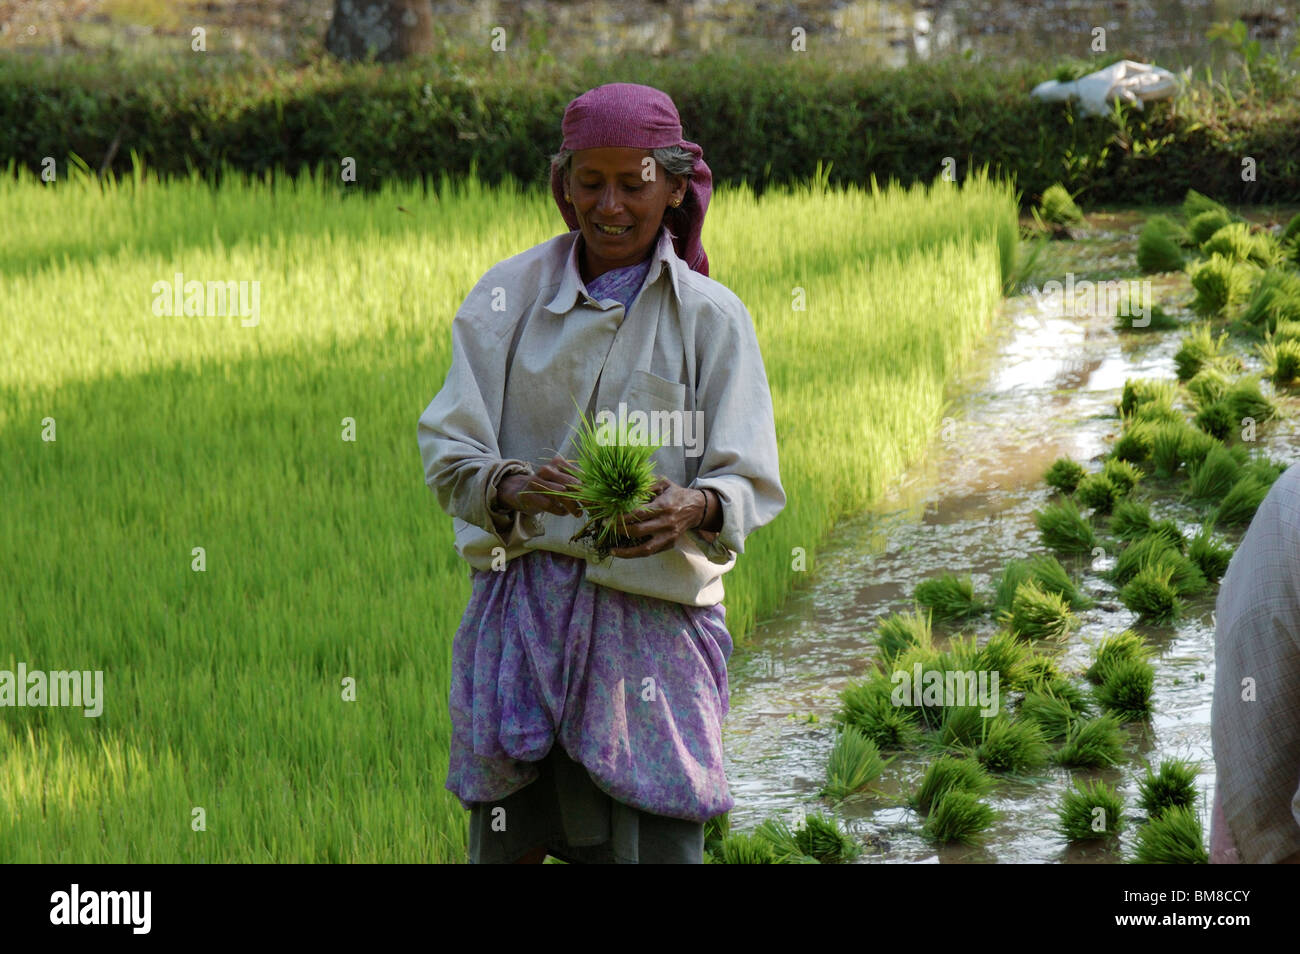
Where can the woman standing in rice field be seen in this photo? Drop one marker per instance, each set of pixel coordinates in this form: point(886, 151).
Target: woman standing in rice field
point(587, 698)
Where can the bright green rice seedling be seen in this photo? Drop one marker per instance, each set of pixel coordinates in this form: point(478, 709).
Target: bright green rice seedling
point(1059, 208)
point(616, 477)
point(1245, 399)
point(1064, 475)
point(1174, 786)
point(715, 829)
point(949, 597)
point(1140, 391)
point(1038, 614)
point(1092, 743)
point(1138, 554)
point(1051, 577)
point(946, 773)
point(930, 661)
point(866, 705)
point(1216, 420)
point(1198, 348)
point(1090, 812)
point(1214, 476)
point(1157, 319)
point(1263, 470)
point(1185, 576)
point(1125, 645)
point(1062, 528)
point(1052, 714)
point(1287, 331)
point(1209, 384)
point(1156, 414)
point(743, 849)
point(899, 632)
point(1203, 225)
point(1195, 203)
point(1011, 746)
point(1175, 838)
point(1013, 574)
point(1005, 655)
point(1158, 246)
point(957, 816)
point(962, 726)
point(854, 764)
point(1274, 300)
point(785, 844)
point(1126, 691)
point(1166, 448)
point(1237, 242)
point(1221, 285)
point(821, 837)
point(1212, 558)
point(1098, 492)
point(1131, 519)
point(1122, 474)
point(1152, 595)
point(1281, 362)
point(1240, 503)
point(1134, 445)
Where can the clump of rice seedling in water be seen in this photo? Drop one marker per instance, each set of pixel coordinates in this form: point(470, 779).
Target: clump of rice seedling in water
point(1158, 248)
point(1174, 786)
point(1009, 746)
point(1063, 528)
point(1245, 399)
point(1203, 225)
point(1208, 555)
point(1052, 714)
point(741, 849)
point(1126, 645)
point(1038, 614)
point(1216, 420)
point(949, 597)
point(957, 816)
point(715, 829)
point(1166, 446)
point(1122, 474)
point(1221, 284)
point(1059, 208)
point(1152, 595)
point(899, 632)
point(1237, 242)
point(1194, 204)
point(1214, 476)
point(820, 837)
point(947, 773)
point(1097, 491)
point(1064, 475)
point(1133, 520)
point(1013, 574)
point(868, 707)
point(784, 843)
point(1240, 503)
point(1198, 348)
point(961, 726)
point(1275, 300)
point(1090, 812)
point(616, 478)
point(1093, 743)
point(1208, 384)
point(1134, 444)
point(1005, 655)
point(1142, 391)
point(1175, 838)
point(1126, 691)
point(1051, 577)
point(1281, 362)
point(1137, 555)
point(854, 764)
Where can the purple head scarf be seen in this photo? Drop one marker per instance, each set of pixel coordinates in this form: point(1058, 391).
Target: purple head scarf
point(639, 117)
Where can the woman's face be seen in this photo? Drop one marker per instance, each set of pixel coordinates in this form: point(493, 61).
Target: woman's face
point(620, 198)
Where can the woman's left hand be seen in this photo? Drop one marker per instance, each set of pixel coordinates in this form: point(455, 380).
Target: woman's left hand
point(673, 510)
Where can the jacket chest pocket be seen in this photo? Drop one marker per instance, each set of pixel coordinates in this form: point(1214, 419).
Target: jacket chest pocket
point(659, 407)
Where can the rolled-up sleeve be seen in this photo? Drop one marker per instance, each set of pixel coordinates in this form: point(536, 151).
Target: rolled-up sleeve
point(458, 433)
point(739, 461)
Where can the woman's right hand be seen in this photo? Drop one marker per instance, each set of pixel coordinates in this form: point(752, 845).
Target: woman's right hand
point(517, 492)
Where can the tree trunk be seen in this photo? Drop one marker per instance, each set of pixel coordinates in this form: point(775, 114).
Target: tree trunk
point(388, 30)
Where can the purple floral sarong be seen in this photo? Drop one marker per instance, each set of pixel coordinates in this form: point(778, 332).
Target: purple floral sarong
point(632, 687)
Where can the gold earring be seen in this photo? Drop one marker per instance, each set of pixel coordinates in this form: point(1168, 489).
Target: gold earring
point(567, 197)
point(676, 203)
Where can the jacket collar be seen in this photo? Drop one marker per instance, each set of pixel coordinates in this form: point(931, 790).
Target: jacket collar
point(571, 285)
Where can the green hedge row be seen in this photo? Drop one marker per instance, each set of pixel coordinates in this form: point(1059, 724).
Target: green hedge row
point(758, 122)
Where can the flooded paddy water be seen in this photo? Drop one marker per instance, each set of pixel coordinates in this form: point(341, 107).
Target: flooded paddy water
point(1044, 385)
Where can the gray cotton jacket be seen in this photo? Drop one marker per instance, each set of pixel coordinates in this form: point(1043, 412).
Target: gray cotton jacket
point(530, 347)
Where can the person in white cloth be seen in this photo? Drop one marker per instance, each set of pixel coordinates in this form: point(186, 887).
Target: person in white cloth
point(1255, 718)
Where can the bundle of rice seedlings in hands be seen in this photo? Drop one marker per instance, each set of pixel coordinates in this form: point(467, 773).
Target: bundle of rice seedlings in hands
point(1125, 645)
point(1098, 492)
point(1126, 690)
point(957, 815)
point(1092, 743)
point(820, 837)
point(1175, 838)
point(1240, 503)
point(1064, 475)
point(1158, 247)
point(1091, 811)
point(741, 849)
point(1281, 362)
point(1038, 614)
point(899, 632)
point(1174, 786)
point(1221, 284)
point(949, 597)
point(1209, 556)
point(1062, 528)
point(616, 478)
point(1152, 595)
point(1122, 474)
point(1214, 476)
point(854, 764)
point(1275, 299)
point(868, 707)
point(1008, 746)
point(947, 773)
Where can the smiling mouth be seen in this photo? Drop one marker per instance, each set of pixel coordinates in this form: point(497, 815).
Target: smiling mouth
point(612, 229)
